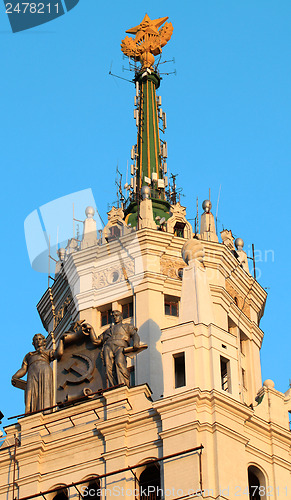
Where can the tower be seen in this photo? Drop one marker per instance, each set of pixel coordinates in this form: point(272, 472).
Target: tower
point(197, 419)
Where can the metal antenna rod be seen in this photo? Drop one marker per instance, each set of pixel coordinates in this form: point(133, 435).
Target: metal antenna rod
point(197, 215)
point(254, 261)
point(73, 221)
point(116, 182)
point(49, 263)
point(217, 206)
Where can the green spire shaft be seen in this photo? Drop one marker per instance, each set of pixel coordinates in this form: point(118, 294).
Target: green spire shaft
point(148, 140)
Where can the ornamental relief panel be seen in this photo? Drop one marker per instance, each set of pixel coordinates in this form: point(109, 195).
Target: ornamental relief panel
point(172, 267)
point(113, 274)
point(239, 299)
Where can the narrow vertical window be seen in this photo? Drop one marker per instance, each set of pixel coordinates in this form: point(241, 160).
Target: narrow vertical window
point(225, 374)
point(150, 483)
point(93, 490)
point(105, 317)
point(131, 370)
point(171, 306)
point(114, 232)
point(257, 483)
point(127, 310)
point(179, 229)
point(179, 368)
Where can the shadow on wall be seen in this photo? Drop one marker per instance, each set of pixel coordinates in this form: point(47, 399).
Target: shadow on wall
point(149, 363)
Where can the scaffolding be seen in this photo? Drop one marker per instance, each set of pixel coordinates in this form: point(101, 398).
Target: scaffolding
point(60, 489)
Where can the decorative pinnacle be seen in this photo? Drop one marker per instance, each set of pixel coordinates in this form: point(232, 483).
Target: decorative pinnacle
point(148, 41)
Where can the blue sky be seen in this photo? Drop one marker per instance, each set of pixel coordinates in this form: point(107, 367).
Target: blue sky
point(66, 124)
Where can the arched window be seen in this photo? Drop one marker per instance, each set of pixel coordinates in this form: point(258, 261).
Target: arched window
point(257, 483)
point(179, 229)
point(114, 232)
point(93, 490)
point(61, 495)
point(150, 483)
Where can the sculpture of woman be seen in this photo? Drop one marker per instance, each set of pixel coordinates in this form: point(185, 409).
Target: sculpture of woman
point(39, 388)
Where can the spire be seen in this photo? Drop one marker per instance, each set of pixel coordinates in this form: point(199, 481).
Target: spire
point(207, 224)
point(148, 137)
point(150, 152)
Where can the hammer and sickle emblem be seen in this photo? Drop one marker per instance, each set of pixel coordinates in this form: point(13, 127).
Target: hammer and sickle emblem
point(79, 370)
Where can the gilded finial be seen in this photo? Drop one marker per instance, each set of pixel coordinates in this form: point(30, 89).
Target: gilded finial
point(148, 41)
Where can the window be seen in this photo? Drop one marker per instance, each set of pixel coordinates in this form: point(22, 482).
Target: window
point(179, 368)
point(179, 229)
point(127, 310)
point(61, 495)
point(150, 477)
point(257, 483)
point(225, 374)
point(114, 232)
point(131, 375)
point(106, 317)
point(171, 306)
point(93, 490)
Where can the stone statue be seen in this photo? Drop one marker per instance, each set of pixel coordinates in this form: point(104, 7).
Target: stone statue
point(39, 388)
point(115, 343)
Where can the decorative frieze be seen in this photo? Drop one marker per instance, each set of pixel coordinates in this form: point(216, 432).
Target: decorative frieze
point(172, 267)
point(113, 274)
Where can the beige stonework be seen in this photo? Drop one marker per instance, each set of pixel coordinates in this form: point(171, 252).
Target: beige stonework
point(240, 301)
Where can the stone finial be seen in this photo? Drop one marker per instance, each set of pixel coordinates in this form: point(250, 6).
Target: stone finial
point(193, 250)
point(269, 384)
point(239, 244)
point(146, 210)
point(90, 212)
point(207, 206)
point(242, 256)
point(207, 224)
point(61, 254)
point(145, 192)
point(89, 229)
point(227, 239)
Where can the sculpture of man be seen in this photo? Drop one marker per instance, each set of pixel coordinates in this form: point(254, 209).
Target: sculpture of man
point(114, 340)
point(39, 388)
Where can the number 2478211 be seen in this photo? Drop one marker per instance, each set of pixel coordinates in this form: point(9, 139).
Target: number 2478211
point(32, 8)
